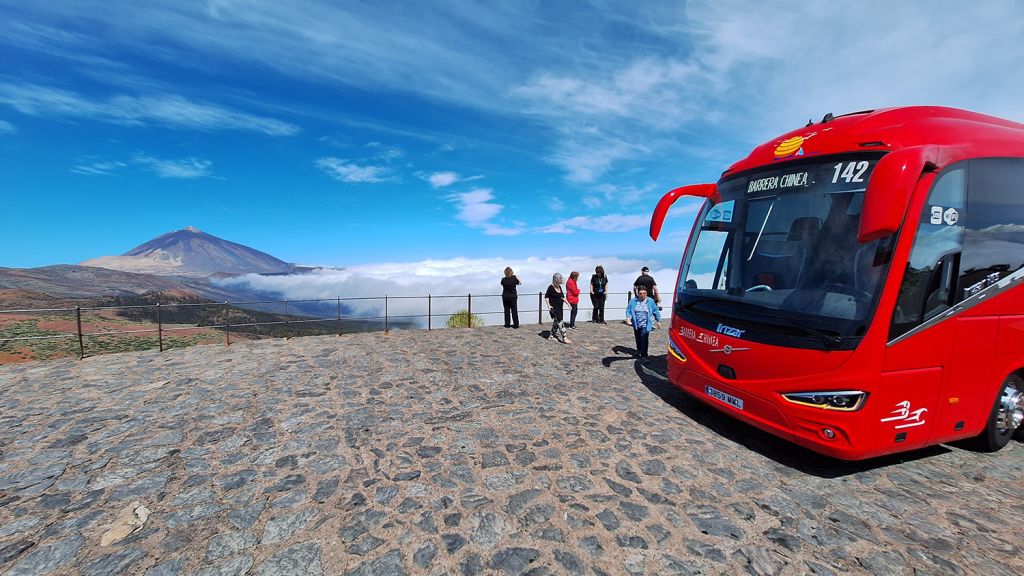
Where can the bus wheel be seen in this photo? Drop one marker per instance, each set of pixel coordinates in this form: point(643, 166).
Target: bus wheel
point(1007, 415)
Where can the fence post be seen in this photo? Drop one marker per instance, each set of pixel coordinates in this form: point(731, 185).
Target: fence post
point(81, 344)
point(286, 336)
point(429, 311)
point(469, 310)
point(159, 327)
point(385, 313)
point(339, 316)
point(227, 327)
point(540, 305)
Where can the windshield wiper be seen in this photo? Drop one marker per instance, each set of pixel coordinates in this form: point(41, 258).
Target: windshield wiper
point(829, 340)
point(695, 306)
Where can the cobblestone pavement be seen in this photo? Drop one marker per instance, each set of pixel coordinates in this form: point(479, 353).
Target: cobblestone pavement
point(484, 451)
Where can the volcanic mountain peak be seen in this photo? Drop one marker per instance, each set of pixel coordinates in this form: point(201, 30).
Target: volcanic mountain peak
point(192, 252)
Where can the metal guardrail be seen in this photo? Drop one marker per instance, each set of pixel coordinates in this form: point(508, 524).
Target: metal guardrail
point(226, 325)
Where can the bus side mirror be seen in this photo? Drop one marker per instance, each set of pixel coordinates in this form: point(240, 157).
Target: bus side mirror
point(889, 189)
point(661, 210)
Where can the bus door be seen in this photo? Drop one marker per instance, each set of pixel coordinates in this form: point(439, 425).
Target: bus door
point(921, 342)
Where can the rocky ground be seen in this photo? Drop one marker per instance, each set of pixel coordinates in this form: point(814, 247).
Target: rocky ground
point(464, 451)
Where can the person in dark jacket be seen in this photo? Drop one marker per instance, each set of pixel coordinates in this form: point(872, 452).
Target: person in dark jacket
point(510, 298)
point(598, 294)
point(556, 301)
point(646, 280)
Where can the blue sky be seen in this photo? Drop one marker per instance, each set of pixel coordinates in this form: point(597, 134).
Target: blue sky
point(350, 133)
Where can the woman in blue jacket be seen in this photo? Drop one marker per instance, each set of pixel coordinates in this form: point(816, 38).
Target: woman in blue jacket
point(643, 315)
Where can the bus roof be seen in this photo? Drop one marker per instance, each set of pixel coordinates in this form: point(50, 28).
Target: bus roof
point(891, 129)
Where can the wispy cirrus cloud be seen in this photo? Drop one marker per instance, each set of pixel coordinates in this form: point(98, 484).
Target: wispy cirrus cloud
point(587, 156)
point(385, 152)
point(644, 91)
point(350, 172)
point(608, 223)
point(607, 193)
point(169, 110)
point(98, 168)
point(186, 168)
point(597, 113)
point(7, 127)
point(445, 178)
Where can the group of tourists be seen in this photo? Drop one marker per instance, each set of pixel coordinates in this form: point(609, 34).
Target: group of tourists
point(643, 312)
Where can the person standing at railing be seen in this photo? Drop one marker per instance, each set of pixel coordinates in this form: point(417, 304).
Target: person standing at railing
point(510, 298)
point(647, 281)
point(598, 293)
point(572, 296)
point(556, 298)
point(643, 315)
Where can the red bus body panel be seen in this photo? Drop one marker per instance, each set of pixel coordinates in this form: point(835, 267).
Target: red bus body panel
point(933, 386)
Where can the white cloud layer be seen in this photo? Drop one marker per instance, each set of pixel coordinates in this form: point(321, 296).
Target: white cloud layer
point(450, 281)
point(163, 109)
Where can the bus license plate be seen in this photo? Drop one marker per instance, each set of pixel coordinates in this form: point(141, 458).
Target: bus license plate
point(727, 398)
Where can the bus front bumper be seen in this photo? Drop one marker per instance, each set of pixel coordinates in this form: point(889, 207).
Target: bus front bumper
point(827, 434)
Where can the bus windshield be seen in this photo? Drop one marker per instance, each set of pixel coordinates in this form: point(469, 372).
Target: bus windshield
point(776, 256)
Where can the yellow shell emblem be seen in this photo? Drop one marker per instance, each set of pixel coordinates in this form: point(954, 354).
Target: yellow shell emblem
point(789, 146)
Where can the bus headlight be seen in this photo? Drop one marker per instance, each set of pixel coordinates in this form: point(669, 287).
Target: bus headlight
point(844, 400)
point(675, 351)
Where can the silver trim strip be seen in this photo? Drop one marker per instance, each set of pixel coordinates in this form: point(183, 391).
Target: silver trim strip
point(825, 393)
point(728, 350)
point(997, 288)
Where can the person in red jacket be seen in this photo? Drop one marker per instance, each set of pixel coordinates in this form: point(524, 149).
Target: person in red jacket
point(572, 296)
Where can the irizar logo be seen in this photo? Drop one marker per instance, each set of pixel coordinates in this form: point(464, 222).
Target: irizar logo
point(729, 331)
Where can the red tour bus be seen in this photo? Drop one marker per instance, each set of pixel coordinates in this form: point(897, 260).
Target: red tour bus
point(856, 286)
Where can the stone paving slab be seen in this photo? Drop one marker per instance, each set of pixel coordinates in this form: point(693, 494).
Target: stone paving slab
point(483, 451)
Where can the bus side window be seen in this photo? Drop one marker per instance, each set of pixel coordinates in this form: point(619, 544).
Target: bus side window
point(928, 283)
point(994, 225)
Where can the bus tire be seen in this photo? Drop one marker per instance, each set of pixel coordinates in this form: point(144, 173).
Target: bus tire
point(1007, 412)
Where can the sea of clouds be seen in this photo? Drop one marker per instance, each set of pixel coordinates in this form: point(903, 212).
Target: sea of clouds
point(450, 281)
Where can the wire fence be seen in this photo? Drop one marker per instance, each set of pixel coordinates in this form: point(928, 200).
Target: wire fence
point(241, 319)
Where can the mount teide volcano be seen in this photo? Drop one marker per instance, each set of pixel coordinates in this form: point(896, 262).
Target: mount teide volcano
point(192, 252)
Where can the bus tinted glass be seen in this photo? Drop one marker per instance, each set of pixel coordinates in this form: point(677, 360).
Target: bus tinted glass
point(994, 224)
point(778, 255)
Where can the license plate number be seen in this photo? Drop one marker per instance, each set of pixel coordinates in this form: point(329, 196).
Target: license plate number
point(723, 397)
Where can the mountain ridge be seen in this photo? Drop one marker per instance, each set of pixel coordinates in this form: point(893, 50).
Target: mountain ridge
point(192, 252)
